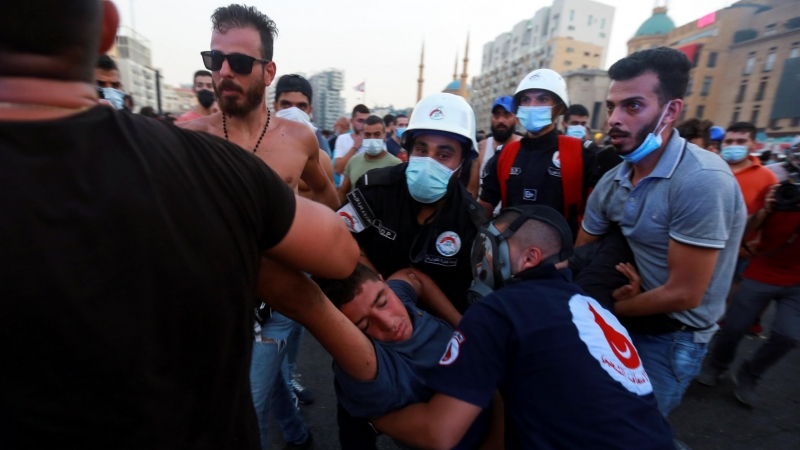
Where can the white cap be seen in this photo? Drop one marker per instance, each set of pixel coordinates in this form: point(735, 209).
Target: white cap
point(442, 112)
point(546, 79)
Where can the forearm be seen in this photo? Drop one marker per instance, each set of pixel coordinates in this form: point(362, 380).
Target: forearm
point(585, 238)
point(488, 208)
point(433, 299)
point(416, 425)
point(340, 163)
point(661, 300)
point(328, 196)
point(756, 220)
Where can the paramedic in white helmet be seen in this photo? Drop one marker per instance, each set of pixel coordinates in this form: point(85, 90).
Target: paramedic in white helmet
point(544, 168)
point(417, 214)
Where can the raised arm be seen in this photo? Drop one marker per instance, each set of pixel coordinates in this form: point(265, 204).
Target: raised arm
point(318, 243)
point(294, 295)
point(429, 295)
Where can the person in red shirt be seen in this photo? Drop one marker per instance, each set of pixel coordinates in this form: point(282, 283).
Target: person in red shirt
point(773, 274)
point(204, 90)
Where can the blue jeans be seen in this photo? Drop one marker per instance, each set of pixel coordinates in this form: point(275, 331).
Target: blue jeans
point(269, 386)
point(671, 360)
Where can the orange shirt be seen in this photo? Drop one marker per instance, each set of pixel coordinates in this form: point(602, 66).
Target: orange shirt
point(754, 182)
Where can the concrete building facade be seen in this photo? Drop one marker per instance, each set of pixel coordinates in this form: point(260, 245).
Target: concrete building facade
point(133, 58)
point(568, 35)
point(588, 87)
point(328, 101)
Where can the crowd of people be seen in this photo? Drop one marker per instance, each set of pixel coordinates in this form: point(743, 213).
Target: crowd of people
point(543, 286)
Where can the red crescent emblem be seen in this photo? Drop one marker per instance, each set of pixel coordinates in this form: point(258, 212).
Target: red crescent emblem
point(620, 345)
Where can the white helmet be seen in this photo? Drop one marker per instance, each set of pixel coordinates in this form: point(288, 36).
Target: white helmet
point(442, 112)
point(546, 79)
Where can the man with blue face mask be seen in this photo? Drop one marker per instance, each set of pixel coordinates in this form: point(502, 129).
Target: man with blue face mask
point(576, 122)
point(107, 80)
point(682, 213)
point(543, 168)
point(417, 214)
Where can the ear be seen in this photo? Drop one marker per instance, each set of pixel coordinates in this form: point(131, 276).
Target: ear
point(530, 258)
point(269, 72)
point(110, 25)
point(673, 112)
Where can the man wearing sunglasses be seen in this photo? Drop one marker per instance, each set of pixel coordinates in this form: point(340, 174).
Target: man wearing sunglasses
point(241, 67)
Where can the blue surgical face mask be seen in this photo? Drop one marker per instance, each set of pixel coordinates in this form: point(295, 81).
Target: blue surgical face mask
point(651, 143)
point(427, 179)
point(115, 97)
point(534, 118)
point(373, 147)
point(576, 131)
point(399, 132)
point(734, 153)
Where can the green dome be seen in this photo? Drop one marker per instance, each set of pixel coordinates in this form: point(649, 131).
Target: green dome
point(658, 23)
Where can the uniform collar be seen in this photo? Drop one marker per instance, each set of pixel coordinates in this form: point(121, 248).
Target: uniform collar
point(543, 142)
point(548, 272)
point(666, 165)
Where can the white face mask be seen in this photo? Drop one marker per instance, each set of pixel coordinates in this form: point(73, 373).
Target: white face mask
point(295, 115)
point(373, 147)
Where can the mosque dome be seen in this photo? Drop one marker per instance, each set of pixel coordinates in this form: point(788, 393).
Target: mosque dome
point(658, 23)
point(454, 85)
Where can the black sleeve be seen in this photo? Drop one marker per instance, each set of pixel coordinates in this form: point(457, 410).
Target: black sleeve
point(490, 184)
point(589, 166)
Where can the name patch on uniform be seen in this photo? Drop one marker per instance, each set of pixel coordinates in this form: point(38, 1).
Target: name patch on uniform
point(448, 243)
point(361, 206)
point(557, 159)
point(529, 194)
point(515, 171)
point(610, 344)
point(554, 171)
point(440, 261)
point(383, 231)
point(351, 218)
point(451, 352)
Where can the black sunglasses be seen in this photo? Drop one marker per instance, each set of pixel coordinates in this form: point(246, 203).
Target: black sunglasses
point(241, 64)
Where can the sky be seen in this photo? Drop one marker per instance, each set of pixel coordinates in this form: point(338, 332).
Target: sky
point(373, 42)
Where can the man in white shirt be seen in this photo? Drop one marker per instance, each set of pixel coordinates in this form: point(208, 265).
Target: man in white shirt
point(349, 145)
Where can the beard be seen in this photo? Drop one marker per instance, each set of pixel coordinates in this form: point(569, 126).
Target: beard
point(639, 137)
point(231, 106)
point(503, 134)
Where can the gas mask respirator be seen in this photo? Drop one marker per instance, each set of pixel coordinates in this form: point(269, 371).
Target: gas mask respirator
point(491, 260)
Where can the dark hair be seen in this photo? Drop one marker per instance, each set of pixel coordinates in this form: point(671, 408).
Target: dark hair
point(696, 128)
point(104, 62)
point(372, 120)
point(242, 16)
point(400, 116)
point(389, 119)
point(69, 30)
point(200, 73)
point(671, 66)
point(341, 292)
point(360, 109)
point(743, 127)
point(148, 111)
point(765, 156)
point(576, 110)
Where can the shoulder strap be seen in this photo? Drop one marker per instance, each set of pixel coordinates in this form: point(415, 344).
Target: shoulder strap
point(571, 155)
point(506, 160)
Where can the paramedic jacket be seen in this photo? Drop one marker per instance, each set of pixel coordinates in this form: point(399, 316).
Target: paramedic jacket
point(565, 367)
point(395, 240)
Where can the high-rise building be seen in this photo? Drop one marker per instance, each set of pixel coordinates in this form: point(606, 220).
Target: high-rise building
point(568, 35)
point(133, 58)
point(745, 63)
point(328, 101)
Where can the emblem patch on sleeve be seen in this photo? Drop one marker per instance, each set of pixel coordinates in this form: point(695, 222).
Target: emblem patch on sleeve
point(453, 347)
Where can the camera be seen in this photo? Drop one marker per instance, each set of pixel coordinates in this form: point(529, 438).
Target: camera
point(787, 197)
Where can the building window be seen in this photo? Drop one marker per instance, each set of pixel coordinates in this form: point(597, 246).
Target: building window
point(570, 28)
point(689, 87)
point(683, 113)
point(567, 63)
point(795, 121)
point(794, 52)
point(748, 68)
point(774, 124)
point(754, 116)
point(571, 14)
point(742, 90)
point(770, 61)
point(706, 87)
point(761, 89)
point(770, 30)
point(602, 24)
point(735, 117)
point(712, 59)
point(570, 49)
point(700, 110)
point(586, 54)
point(602, 35)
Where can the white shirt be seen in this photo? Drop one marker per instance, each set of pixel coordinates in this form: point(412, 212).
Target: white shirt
point(343, 145)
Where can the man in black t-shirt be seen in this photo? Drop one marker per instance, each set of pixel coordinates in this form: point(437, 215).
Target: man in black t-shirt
point(130, 255)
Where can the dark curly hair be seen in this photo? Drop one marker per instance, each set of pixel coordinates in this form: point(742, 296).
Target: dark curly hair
point(341, 292)
point(243, 16)
point(696, 128)
point(671, 66)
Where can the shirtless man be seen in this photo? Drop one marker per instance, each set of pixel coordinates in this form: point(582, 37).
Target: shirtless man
point(241, 67)
point(245, 36)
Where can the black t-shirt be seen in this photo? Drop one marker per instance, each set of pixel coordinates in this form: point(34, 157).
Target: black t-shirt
point(440, 249)
point(129, 264)
point(535, 177)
